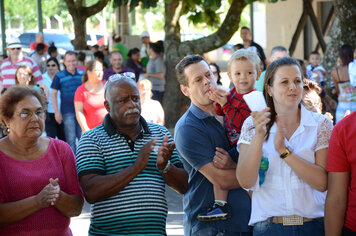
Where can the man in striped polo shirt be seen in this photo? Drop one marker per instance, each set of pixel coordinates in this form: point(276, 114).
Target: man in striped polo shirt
point(9, 66)
point(123, 166)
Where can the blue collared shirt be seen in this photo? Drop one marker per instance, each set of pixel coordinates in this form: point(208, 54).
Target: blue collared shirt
point(197, 134)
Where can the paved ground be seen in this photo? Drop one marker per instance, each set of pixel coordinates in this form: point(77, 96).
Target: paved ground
point(80, 224)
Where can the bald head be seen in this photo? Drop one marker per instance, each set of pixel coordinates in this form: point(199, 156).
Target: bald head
point(114, 84)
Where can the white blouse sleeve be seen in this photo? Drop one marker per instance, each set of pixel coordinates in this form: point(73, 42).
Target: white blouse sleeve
point(325, 128)
point(247, 131)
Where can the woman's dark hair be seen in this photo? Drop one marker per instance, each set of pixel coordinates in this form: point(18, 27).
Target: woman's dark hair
point(269, 79)
point(217, 71)
point(12, 96)
point(157, 47)
point(89, 67)
point(133, 51)
point(51, 48)
point(53, 59)
point(346, 54)
point(29, 71)
point(116, 38)
point(81, 56)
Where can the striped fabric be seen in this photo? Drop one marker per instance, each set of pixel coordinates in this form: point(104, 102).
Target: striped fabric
point(8, 71)
point(141, 207)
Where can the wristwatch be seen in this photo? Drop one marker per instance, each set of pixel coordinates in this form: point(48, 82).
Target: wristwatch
point(167, 168)
point(286, 153)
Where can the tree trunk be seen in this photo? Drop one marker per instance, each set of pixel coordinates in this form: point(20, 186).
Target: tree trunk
point(80, 40)
point(174, 102)
point(342, 31)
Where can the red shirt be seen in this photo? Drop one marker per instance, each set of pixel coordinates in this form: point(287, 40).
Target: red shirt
point(34, 45)
point(93, 105)
point(23, 179)
point(235, 112)
point(342, 158)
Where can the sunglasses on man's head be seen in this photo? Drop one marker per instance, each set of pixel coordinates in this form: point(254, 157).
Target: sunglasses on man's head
point(116, 77)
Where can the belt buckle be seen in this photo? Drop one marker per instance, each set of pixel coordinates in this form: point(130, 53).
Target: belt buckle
point(292, 220)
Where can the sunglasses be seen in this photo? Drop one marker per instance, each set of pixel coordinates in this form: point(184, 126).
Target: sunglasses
point(13, 49)
point(51, 65)
point(116, 77)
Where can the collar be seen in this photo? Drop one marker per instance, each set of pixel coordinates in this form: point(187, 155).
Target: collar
point(68, 73)
point(199, 113)
point(306, 119)
point(110, 129)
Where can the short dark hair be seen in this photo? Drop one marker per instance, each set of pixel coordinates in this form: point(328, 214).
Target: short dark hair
point(314, 53)
point(116, 38)
point(186, 61)
point(12, 96)
point(157, 47)
point(69, 53)
point(245, 27)
point(81, 56)
point(55, 61)
point(133, 51)
point(40, 47)
point(346, 54)
point(278, 49)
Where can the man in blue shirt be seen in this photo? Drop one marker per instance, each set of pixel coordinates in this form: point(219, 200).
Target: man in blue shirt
point(67, 81)
point(204, 148)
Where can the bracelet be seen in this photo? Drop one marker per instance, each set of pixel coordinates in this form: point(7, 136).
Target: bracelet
point(167, 168)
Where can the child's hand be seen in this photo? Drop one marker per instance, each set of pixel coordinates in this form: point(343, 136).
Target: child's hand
point(218, 95)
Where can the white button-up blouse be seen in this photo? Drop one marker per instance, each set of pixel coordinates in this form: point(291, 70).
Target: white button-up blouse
point(283, 193)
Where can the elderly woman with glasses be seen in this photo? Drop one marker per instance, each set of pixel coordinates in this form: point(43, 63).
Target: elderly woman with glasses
point(89, 97)
point(39, 188)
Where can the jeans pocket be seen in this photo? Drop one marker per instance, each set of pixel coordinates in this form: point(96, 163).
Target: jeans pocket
point(261, 227)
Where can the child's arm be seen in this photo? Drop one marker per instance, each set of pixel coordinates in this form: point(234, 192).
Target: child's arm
point(218, 95)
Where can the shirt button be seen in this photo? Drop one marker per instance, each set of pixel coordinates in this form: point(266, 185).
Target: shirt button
point(129, 141)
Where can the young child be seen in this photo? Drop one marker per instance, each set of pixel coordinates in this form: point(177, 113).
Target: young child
point(243, 71)
point(315, 71)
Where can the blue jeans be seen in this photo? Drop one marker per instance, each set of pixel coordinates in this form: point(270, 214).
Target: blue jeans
point(267, 228)
point(72, 130)
point(219, 232)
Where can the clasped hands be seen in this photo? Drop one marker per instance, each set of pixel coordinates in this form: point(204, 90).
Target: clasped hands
point(49, 195)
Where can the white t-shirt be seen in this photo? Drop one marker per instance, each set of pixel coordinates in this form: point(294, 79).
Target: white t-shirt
point(352, 73)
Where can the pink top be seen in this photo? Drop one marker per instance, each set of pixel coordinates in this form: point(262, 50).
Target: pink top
point(23, 179)
point(8, 71)
point(93, 105)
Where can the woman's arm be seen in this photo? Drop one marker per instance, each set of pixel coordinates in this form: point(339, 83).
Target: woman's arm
point(336, 202)
point(313, 174)
point(335, 80)
point(69, 205)
point(79, 114)
point(12, 212)
point(251, 154)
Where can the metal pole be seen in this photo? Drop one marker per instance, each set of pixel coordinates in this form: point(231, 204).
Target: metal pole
point(2, 19)
point(39, 16)
point(251, 20)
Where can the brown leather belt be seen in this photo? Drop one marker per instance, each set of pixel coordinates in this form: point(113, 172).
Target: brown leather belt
point(290, 220)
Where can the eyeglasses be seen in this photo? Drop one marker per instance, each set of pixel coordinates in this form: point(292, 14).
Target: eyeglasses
point(27, 114)
point(51, 65)
point(13, 49)
point(116, 77)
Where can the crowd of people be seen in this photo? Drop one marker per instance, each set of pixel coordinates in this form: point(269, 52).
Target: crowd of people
point(281, 170)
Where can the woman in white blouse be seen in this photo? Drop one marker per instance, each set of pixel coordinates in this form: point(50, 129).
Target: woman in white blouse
point(288, 198)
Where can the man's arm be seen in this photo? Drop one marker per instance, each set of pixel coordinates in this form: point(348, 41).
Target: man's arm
point(57, 113)
point(336, 202)
point(99, 187)
point(176, 178)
